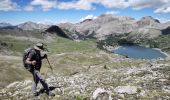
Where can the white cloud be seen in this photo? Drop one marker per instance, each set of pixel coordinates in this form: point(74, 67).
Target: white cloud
point(112, 12)
point(163, 20)
point(45, 4)
point(81, 4)
point(163, 10)
point(29, 8)
point(114, 3)
point(140, 4)
point(88, 17)
point(160, 6)
point(89, 4)
point(8, 5)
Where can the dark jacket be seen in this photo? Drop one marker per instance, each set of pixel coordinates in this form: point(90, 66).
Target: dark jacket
point(35, 55)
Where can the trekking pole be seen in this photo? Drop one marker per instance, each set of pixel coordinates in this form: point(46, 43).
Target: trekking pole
point(48, 69)
point(50, 65)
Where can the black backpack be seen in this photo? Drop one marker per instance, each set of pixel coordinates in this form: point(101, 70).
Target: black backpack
point(25, 55)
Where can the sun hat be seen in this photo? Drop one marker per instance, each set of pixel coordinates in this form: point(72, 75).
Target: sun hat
point(39, 46)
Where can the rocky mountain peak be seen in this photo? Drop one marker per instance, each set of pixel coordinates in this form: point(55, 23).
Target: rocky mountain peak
point(147, 17)
point(148, 21)
point(86, 20)
point(150, 18)
point(31, 26)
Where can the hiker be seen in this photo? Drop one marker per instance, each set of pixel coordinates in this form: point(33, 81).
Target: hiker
point(32, 63)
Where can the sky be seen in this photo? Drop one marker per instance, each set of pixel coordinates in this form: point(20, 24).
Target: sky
point(74, 11)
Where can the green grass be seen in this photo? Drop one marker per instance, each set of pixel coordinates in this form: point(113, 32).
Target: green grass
point(13, 70)
point(62, 45)
point(16, 46)
point(10, 71)
point(86, 59)
point(19, 32)
point(159, 42)
point(13, 45)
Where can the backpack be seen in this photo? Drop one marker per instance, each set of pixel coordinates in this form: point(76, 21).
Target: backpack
point(26, 53)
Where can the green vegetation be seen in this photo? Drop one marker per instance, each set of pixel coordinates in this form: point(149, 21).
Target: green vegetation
point(11, 70)
point(161, 42)
point(14, 41)
point(71, 59)
point(80, 98)
point(11, 46)
point(63, 45)
point(19, 32)
point(115, 40)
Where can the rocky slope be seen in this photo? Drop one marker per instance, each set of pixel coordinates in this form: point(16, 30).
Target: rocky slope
point(110, 24)
point(100, 76)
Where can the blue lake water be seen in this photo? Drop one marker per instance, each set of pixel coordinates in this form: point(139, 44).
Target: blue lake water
point(138, 52)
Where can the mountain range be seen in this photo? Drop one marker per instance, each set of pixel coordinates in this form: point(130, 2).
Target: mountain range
point(31, 26)
point(25, 26)
point(3, 24)
point(82, 70)
point(101, 27)
point(105, 25)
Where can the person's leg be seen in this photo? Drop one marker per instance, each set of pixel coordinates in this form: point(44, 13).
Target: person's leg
point(34, 83)
point(43, 82)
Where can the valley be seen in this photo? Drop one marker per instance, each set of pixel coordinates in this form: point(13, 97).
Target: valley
point(83, 66)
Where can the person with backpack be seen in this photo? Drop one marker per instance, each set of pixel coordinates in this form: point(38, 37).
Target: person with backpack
point(32, 61)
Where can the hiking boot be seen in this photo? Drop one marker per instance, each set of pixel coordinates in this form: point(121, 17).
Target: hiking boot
point(35, 94)
point(50, 94)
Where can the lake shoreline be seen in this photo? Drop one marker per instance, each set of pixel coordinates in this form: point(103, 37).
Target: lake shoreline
point(158, 49)
point(165, 53)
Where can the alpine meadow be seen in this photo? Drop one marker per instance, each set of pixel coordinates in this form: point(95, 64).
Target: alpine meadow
point(84, 50)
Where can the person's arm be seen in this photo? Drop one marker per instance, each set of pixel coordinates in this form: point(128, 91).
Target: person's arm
point(28, 61)
point(45, 56)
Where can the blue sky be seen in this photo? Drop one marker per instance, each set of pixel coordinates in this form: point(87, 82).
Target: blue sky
point(58, 11)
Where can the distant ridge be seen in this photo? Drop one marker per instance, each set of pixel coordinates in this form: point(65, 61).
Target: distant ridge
point(32, 26)
point(3, 24)
point(107, 24)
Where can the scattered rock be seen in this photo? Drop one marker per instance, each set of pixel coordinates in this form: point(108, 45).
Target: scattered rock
point(125, 79)
point(126, 89)
point(106, 67)
point(101, 94)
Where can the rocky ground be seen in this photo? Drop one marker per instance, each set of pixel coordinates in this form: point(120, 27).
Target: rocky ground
point(100, 76)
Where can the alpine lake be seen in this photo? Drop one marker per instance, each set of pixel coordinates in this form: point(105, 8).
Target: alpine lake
point(139, 52)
